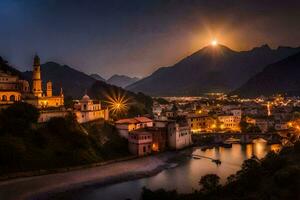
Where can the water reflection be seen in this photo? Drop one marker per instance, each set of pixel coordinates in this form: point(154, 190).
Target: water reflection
point(184, 177)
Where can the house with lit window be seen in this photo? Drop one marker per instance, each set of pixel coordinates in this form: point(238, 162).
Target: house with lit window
point(179, 134)
point(140, 142)
point(200, 123)
point(12, 88)
point(229, 122)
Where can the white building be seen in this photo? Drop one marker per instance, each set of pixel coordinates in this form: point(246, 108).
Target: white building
point(89, 110)
point(140, 142)
point(46, 115)
point(124, 126)
point(179, 135)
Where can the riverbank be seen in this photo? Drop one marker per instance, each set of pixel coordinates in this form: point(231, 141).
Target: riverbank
point(40, 186)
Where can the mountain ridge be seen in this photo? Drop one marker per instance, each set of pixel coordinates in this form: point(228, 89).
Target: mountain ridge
point(210, 69)
point(121, 80)
point(280, 77)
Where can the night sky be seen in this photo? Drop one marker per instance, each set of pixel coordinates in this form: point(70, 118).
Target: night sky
point(135, 37)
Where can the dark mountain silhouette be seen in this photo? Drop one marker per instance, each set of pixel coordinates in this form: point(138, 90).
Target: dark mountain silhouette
point(282, 77)
point(122, 80)
point(211, 69)
point(97, 77)
point(6, 68)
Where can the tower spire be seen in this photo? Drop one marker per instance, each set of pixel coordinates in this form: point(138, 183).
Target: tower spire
point(36, 77)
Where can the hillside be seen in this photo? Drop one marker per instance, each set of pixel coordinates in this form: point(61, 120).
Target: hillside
point(122, 80)
point(211, 69)
point(281, 77)
point(26, 145)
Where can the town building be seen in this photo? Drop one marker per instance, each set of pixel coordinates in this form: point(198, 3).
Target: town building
point(200, 123)
point(140, 142)
point(179, 134)
point(12, 88)
point(159, 138)
point(46, 115)
point(39, 98)
point(264, 124)
point(229, 122)
point(127, 125)
point(87, 110)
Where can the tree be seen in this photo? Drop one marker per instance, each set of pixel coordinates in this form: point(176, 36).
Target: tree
point(249, 128)
point(18, 118)
point(210, 183)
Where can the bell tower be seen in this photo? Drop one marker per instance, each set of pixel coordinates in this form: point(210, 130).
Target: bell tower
point(36, 77)
point(49, 89)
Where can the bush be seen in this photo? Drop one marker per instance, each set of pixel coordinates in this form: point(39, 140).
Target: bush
point(210, 183)
point(12, 152)
point(18, 118)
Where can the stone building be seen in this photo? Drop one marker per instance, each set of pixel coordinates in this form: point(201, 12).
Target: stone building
point(140, 142)
point(12, 88)
point(179, 134)
point(39, 98)
point(89, 110)
point(127, 125)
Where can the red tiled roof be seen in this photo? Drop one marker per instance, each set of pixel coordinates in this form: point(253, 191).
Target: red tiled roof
point(143, 119)
point(134, 120)
point(127, 121)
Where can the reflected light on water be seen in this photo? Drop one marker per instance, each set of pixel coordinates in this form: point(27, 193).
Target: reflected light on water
point(185, 177)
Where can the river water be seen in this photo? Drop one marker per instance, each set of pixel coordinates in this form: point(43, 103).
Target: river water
point(182, 176)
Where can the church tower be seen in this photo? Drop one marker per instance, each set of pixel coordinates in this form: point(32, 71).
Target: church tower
point(49, 89)
point(36, 78)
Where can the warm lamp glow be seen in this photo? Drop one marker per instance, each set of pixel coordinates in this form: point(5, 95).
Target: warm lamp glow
point(214, 42)
point(117, 102)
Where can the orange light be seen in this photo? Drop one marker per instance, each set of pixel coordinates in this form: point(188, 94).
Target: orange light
point(214, 42)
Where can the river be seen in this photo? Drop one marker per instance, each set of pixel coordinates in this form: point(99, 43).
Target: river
point(183, 175)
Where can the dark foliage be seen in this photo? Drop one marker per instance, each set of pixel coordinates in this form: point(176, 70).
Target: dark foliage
point(18, 118)
point(61, 142)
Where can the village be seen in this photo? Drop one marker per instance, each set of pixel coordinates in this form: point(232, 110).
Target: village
point(177, 121)
point(174, 121)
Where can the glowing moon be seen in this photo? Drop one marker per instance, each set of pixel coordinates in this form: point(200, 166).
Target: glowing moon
point(214, 42)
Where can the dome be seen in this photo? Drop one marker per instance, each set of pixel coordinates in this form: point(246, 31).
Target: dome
point(85, 98)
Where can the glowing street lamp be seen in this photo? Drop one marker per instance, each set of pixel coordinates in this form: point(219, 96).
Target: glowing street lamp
point(117, 103)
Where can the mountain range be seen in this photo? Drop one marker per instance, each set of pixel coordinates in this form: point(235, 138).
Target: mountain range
point(121, 80)
point(97, 77)
point(117, 80)
point(211, 69)
point(282, 77)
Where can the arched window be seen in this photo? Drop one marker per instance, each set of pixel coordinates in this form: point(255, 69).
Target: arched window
point(12, 98)
point(4, 98)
